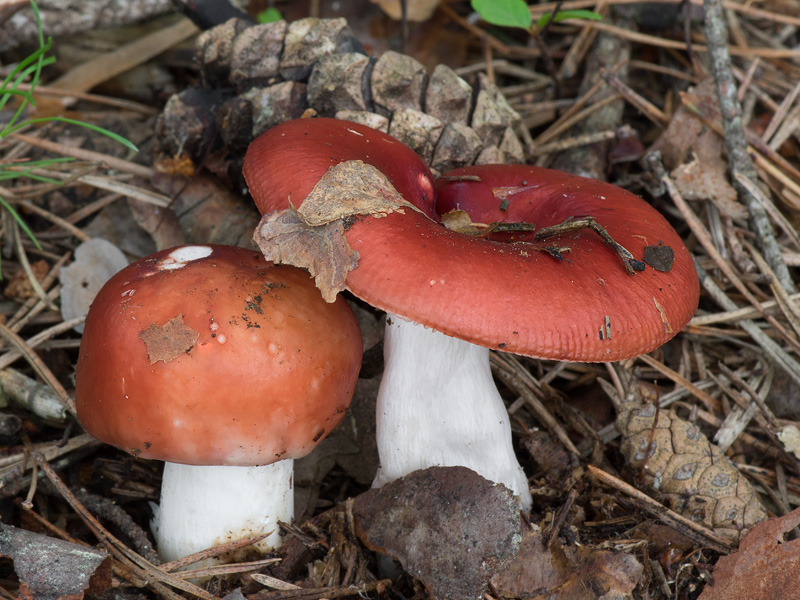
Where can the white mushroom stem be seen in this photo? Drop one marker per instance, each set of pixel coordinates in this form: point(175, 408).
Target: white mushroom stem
point(203, 507)
point(438, 406)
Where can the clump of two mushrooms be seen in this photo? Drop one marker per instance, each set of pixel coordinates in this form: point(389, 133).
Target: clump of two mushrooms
point(578, 287)
point(209, 336)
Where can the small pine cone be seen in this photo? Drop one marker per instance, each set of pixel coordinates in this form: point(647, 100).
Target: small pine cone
point(688, 473)
point(266, 74)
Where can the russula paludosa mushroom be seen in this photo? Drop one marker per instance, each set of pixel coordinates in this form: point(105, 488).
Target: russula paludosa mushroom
point(567, 297)
point(226, 367)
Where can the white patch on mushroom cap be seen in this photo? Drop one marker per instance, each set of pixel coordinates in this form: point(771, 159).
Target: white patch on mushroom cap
point(181, 256)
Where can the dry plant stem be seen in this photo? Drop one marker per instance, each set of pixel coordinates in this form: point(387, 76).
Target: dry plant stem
point(111, 511)
point(773, 350)
point(703, 236)
point(12, 355)
point(700, 534)
point(139, 565)
point(732, 316)
point(213, 552)
point(227, 569)
point(647, 108)
point(40, 368)
point(746, 9)
point(119, 570)
point(736, 140)
point(324, 592)
point(107, 65)
point(26, 265)
point(42, 90)
point(476, 31)
point(113, 162)
point(660, 42)
point(710, 402)
point(511, 373)
point(773, 210)
point(66, 226)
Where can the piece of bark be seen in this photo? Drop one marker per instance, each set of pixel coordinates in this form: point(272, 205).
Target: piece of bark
point(458, 146)
point(66, 17)
point(447, 526)
point(370, 119)
point(214, 51)
point(79, 569)
point(417, 130)
point(275, 104)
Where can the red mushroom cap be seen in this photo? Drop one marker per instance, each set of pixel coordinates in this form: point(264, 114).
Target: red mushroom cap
point(515, 296)
point(301, 151)
point(209, 355)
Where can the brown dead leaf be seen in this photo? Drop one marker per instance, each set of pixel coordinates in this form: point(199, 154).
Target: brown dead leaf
point(51, 569)
point(351, 188)
point(678, 139)
point(706, 177)
point(567, 572)
point(285, 239)
point(765, 566)
point(447, 526)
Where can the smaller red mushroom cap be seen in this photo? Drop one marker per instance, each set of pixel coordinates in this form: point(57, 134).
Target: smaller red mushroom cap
point(209, 355)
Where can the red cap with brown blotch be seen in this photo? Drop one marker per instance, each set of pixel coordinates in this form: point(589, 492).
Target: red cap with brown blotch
point(209, 355)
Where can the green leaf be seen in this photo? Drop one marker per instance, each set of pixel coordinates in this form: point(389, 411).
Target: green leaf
point(505, 13)
point(269, 15)
point(563, 15)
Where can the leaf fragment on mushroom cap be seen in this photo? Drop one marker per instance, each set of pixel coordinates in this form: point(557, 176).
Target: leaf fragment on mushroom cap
point(351, 188)
point(284, 238)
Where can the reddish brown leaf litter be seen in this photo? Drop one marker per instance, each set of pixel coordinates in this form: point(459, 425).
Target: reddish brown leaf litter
point(764, 568)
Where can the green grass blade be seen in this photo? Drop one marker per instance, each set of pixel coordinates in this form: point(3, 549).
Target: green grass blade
point(21, 222)
point(110, 134)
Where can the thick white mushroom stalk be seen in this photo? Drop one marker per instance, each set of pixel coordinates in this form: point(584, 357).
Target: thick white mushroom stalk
point(203, 507)
point(438, 406)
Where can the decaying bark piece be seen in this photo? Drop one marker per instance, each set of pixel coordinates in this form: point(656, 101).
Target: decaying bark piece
point(454, 551)
point(51, 569)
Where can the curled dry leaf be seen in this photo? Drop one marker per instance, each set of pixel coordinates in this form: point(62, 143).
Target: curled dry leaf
point(351, 188)
point(455, 551)
point(706, 177)
point(79, 570)
point(312, 235)
point(285, 239)
point(765, 566)
point(567, 572)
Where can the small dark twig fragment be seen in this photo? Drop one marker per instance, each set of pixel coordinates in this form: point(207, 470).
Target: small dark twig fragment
point(631, 264)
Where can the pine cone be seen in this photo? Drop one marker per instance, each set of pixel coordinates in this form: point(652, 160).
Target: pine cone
point(256, 76)
point(687, 472)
